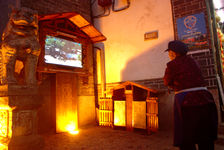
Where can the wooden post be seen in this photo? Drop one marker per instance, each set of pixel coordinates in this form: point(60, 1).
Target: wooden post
point(152, 114)
point(129, 100)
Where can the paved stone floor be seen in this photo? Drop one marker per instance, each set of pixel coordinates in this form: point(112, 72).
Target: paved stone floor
point(101, 138)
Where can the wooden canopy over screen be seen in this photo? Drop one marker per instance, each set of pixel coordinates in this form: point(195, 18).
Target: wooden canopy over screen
point(86, 27)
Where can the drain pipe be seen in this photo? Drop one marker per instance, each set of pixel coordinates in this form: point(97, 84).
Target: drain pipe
point(100, 54)
point(215, 50)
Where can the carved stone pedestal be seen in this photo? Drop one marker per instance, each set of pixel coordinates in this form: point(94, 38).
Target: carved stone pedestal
point(18, 115)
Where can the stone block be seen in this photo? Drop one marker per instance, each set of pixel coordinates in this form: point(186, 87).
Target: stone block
point(32, 142)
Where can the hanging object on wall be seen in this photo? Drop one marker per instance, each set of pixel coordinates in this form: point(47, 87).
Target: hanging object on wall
point(104, 3)
point(122, 8)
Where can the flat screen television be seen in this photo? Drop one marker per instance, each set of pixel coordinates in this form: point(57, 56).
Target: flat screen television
point(59, 51)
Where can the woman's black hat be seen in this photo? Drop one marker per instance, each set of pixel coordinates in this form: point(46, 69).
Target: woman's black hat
point(178, 47)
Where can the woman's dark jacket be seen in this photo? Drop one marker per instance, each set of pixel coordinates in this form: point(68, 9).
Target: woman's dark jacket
point(195, 114)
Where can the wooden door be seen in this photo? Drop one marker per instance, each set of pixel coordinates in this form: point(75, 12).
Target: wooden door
point(66, 102)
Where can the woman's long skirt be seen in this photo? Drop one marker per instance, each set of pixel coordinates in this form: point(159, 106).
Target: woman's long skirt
point(195, 118)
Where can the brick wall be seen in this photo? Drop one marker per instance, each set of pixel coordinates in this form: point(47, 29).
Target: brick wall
point(181, 8)
point(206, 62)
point(58, 6)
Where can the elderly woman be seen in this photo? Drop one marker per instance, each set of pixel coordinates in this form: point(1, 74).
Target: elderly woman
point(195, 114)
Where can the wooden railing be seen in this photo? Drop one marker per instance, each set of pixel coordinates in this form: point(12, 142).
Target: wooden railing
point(105, 111)
point(152, 114)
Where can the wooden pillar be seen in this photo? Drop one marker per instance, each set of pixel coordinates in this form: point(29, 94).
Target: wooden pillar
point(129, 100)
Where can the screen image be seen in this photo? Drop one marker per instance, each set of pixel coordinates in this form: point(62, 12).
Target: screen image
point(62, 52)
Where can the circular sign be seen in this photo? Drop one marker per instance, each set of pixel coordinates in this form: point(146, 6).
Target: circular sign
point(190, 22)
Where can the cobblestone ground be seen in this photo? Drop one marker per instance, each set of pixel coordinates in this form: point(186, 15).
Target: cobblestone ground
point(101, 138)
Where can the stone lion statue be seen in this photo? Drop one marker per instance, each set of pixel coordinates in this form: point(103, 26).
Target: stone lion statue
point(20, 43)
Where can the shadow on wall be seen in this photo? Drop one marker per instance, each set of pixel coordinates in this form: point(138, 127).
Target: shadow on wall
point(153, 62)
point(148, 65)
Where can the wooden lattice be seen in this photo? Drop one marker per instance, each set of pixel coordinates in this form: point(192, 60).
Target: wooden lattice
point(152, 114)
point(105, 111)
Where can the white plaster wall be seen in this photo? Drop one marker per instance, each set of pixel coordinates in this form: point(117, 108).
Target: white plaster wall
point(127, 55)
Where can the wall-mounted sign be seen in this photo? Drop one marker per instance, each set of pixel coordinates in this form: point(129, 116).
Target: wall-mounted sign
point(192, 31)
point(151, 35)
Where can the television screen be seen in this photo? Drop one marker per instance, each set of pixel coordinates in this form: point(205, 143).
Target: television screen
point(63, 52)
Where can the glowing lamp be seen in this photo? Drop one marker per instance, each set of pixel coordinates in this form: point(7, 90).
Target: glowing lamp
point(72, 129)
point(5, 126)
point(74, 132)
point(3, 147)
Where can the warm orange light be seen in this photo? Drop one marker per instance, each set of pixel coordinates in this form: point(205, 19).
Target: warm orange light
point(3, 147)
point(138, 114)
point(74, 132)
point(72, 129)
point(119, 113)
point(68, 124)
point(66, 119)
point(5, 126)
point(79, 21)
